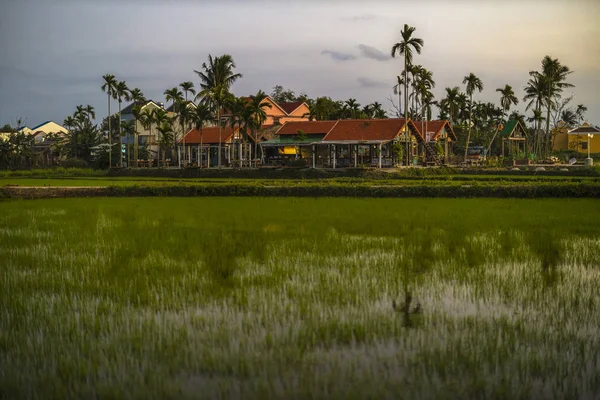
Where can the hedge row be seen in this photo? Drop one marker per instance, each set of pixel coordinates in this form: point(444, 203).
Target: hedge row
point(565, 190)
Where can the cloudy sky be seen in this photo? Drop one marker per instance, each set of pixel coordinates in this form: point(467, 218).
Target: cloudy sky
point(54, 52)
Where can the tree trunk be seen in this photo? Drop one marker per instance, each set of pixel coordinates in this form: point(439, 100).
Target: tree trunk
point(407, 136)
point(469, 134)
point(109, 135)
point(120, 136)
point(219, 146)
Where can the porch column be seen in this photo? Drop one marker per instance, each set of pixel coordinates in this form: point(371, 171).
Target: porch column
point(356, 156)
point(189, 156)
point(199, 160)
point(208, 158)
point(314, 155)
point(446, 151)
point(380, 155)
point(334, 155)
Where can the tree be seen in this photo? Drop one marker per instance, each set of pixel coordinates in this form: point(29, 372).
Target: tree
point(216, 77)
point(176, 97)
point(406, 48)
point(187, 87)
point(534, 95)
point(579, 112)
point(281, 95)
point(353, 107)
point(398, 90)
point(121, 92)
point(165, 128)
point(236, 107)
point(109, 86)
point(138, 99)
point(554, 75)
point(472, 83)
point(160, 118)
point(507, 98)
point(83, 136)
point(256, 108)
point(146, 118)
point(200, 116)
point(185, 115)
point(451, 102)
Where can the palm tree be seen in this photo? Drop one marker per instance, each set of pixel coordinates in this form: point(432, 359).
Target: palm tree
point(109, 87)
point(406, 48)
point(236, 107)
point(473, 83)
point(165, 128)
point(507, 98)
point(256, 108)
point(138, 98)
point(451, 102)
point(569, 117)
point(185, 115)
point(353, 107)
point(146, 117)
point(581, 109)
point(176, 97)
point(187, 87)
point(534, 94)
point(554, 75)
point(216, 78)
point(398, 90)
point(122, 93)
point(199, 116)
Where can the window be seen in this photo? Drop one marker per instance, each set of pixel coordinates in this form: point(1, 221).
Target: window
point(584, 145)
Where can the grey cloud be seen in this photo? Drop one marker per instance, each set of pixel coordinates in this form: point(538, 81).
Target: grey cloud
point(371, 83)
point(339, 56)
point(373, 53)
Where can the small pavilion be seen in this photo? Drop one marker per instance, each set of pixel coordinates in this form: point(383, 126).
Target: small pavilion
point(514, 139)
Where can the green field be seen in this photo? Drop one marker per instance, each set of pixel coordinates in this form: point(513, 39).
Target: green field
point(293, 298)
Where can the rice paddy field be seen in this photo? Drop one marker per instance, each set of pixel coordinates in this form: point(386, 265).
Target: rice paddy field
point(292, 298)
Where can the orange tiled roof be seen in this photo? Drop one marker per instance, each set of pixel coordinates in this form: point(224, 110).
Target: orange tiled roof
point(290, 107)
point(436, 126)
point(308, 127)
point(369, 129)
point(210, 135)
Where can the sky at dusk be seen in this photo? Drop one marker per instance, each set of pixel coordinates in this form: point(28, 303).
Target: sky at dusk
point(53, 53)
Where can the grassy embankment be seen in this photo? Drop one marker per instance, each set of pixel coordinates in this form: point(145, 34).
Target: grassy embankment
point(272, 297)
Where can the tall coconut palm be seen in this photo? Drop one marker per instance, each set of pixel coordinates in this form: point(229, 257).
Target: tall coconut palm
point(165, 128)
point(451, 102)
point(579, 112)
point(159, 117)
point(257, 106)
point(176, 97)
point(554, 76)
point(406, 47)
point(353, 107)
point(122, 93)
point(472, 83)
point(187, 87)
point(216, 78)
point(398, 90)
point(184, 116)
point(138, 98)
point(235, 107)
point(200, 116)
point(109, 87)
point(507, 98)
point(535, 97)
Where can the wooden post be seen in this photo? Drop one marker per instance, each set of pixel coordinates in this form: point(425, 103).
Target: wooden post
point(314, 155)
point(356, 156)
point(380, 154)
point(208, 158)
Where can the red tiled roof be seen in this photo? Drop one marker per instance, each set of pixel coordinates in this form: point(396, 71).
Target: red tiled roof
point(290, 107)
point(210, 135)
point(369, 129)
point(436, 127)
point(308, 127)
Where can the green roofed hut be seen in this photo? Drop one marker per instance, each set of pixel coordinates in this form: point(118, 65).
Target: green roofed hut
point(514, 139)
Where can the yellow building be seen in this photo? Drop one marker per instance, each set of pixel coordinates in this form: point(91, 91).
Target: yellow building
point(579, 139)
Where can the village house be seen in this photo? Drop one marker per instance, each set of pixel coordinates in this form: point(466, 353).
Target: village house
point(577, 139)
